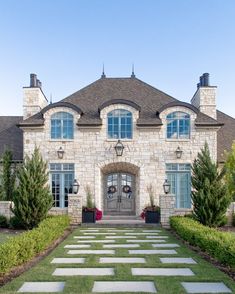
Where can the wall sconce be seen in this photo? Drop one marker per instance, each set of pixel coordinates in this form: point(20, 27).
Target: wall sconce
point(76, 186)
point(166, 187)
point(60, 153)
point(178, 152)
point(119, 148)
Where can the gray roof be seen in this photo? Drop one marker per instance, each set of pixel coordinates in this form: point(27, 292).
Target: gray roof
point(225, 135)
point(11, 137)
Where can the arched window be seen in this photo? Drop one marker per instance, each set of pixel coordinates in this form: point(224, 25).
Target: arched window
point(120, 124)
point(178, 125)
point(62, 125)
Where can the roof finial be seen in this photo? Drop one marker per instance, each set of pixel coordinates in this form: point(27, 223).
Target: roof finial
point(133, 71)
point(103, 74)
point(50, 98)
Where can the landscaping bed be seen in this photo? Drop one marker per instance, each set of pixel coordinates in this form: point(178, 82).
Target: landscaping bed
point(219, 245)
point(23, 248)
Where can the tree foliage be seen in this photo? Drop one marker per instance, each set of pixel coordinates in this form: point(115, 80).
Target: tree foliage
point(210, 196)
point(8, 177)
point(230, 171)
point(33, 198)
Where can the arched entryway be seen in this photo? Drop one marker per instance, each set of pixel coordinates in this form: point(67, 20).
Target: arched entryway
point(120, 188)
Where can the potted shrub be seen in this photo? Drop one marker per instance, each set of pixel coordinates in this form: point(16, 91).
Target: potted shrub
point(89, 211)
point(151, 213)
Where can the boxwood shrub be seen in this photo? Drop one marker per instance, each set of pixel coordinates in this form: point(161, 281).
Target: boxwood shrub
point(220, 245)
point(25, 246)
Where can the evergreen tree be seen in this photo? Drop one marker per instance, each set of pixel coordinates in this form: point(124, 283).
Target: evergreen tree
point(230, 171)
point(8, 177)
point(209, 196)
point(33, 198)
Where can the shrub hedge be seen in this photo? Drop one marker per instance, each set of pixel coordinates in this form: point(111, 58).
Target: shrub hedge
point(25, 246)
point(220, 245)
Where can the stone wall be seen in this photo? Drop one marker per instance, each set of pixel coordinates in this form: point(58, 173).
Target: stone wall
point(167, 204)
point(58, 211)
point(75, 209)
point(230, 212)
point(5, 209)
point(146, 154)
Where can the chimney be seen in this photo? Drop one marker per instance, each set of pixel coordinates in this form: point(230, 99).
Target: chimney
point(33, 98)
point(33, 80)
point(205, 97)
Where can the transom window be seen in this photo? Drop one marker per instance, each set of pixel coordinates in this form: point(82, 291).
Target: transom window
point(178, 125)
point(120, 124)
point(179, 177)
point(62, 125)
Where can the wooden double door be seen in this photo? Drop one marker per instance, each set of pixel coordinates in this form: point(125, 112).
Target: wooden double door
point(119, 194)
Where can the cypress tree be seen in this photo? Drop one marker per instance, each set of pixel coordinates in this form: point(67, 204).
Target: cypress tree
point(210, 196)
point(8, 177)
point(33, 198)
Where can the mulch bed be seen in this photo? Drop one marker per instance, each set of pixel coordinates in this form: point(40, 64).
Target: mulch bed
point(207, 257)
point(17, 271)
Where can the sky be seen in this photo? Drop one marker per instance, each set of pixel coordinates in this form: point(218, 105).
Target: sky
point(66, 42)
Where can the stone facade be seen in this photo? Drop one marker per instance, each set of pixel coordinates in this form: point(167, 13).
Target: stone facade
point(145, 155)
point(75, 209)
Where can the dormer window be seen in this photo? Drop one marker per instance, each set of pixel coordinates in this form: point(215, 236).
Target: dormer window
point(119, 124)
point(62, 125)
point(178, 125)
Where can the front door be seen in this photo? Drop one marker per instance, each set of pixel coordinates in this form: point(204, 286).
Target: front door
point(119, 194)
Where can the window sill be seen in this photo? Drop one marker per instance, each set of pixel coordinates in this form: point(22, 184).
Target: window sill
point(178, 140)
point(122, 140)
point(61, 140)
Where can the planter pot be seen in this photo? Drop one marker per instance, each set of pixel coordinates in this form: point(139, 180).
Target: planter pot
point(88, 217)
point(152, 217)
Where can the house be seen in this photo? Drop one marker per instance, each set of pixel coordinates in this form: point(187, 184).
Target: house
point(119, 135)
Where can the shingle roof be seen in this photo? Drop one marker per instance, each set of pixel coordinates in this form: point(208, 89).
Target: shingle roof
point(225, 135)
point(92, 98)
point(11, 137)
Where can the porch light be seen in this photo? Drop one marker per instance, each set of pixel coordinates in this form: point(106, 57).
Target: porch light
point(76, 186)
point(60, 153)
point(178, 152)
point(119, 148)
point(166, 187)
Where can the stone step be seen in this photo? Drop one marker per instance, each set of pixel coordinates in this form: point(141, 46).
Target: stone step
point(83, 271)
point(91, 252)
point(205, 287)
point(42, 287)
point(165, 245)
point(68, 260)
point(121, 246)
point(156, 251)
point(122, 260)
point(124, 286)
point(176, 260)
point(162, 272)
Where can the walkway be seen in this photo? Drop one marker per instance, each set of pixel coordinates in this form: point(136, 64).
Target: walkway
point(122, 260)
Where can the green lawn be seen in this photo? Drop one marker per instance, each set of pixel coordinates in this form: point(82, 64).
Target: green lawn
point(203, 270)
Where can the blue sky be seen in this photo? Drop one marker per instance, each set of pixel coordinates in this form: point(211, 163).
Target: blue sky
point(65, 42)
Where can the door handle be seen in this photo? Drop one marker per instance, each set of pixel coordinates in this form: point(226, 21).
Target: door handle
point(119, 198)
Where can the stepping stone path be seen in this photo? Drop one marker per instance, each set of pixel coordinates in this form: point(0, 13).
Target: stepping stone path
point(205, 287)
point(84, 271)
point(115, 242)
point(105, 287)
point(34, 287)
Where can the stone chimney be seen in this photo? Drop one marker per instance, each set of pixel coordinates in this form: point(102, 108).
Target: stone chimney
point(205, 97)
point(33, 97)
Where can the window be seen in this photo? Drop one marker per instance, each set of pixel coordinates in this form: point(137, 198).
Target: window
point(62, 125)
point(178, 125)
point(179, 177)
point(62, 176)
point(120, 124)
